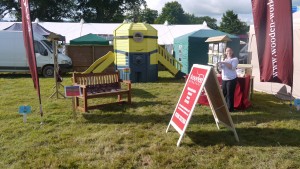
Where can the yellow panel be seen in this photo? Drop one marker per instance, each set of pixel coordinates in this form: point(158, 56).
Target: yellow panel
point(153, 59)
point(129, 45)
point(127, 29)
point(121, 62)
point(120, 55)
point(142, 46)
point(101, 63)
point(120, 59)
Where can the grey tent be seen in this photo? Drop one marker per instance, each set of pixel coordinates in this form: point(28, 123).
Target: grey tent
point(37, 28)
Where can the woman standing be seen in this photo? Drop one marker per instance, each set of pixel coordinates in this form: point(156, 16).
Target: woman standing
point(229, 77)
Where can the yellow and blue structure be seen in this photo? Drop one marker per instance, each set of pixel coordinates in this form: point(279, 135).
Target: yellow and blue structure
point(135, 49)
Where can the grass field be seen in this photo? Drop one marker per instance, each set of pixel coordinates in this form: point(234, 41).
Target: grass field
point(133, 136)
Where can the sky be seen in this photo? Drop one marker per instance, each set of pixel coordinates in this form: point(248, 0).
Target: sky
point(213, 8)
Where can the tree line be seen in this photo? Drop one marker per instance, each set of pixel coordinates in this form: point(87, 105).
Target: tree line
point(116, 11)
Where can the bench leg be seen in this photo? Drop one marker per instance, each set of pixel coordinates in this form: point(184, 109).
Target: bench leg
point(129, 97)
point(76, 103)
point(119, 98)
point(85, 104)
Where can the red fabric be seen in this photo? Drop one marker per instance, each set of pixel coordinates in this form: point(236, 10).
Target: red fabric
point(203, 99)
point(274, 37)
point(28, 42)
point(241, 94)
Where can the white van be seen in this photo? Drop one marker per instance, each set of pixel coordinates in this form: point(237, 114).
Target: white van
point(13, 55)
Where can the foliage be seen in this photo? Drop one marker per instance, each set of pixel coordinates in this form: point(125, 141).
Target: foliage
point(211, 22)
point(133, 136)
point(134, 14)
point(89, 10)
point(7, 6)
point(52, 10)
point(45, 10)
point(142, 15)
point(231, 24)
point(104, 11)
point(148, 15)
point(173, 13)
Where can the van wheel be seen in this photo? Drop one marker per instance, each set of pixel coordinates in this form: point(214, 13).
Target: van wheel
point(48, 71)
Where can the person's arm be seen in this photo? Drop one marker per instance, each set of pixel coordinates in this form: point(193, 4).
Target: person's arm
point(228, 65)
point(234, 63)
point(231, 65)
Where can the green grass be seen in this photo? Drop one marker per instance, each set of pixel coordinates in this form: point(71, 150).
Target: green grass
point(133, 136)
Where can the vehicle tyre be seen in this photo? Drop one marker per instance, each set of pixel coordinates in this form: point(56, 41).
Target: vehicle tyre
point(48, 71)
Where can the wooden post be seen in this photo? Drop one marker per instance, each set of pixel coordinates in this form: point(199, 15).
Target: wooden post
point(53, 37)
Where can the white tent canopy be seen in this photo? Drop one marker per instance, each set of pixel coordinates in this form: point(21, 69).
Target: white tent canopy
point(71, 30)
point(4, 25)
point(278, 89)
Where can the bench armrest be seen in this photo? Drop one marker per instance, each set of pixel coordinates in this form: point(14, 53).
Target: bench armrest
point(128, 82)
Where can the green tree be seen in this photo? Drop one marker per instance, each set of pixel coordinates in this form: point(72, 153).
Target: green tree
point(231, 24)
point(134, 14)
point(173, 13)
point(211, 22)
point(142, 15)
point(101, 11)
point(74, 10)
point(148, 15)
point(6, 6)
point(52, 10)
point(45, 10)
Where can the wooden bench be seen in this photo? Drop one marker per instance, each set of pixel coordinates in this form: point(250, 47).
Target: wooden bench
point(95, 85)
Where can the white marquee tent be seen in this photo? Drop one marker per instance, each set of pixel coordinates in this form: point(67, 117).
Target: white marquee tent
point(72, 30)
point(280, 90)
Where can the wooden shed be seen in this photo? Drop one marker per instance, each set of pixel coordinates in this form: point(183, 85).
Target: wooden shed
point(85, 50)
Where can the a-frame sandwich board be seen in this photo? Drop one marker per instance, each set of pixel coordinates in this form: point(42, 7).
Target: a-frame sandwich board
point(200, 78)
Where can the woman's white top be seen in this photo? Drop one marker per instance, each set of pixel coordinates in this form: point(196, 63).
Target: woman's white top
point(230, 74)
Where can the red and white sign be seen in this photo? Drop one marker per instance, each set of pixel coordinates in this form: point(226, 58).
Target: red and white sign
point(72, 91)
point(189, 97)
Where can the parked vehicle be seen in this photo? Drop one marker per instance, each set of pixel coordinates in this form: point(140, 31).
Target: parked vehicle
point(13, 54)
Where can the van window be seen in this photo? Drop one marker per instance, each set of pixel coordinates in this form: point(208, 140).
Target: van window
point(48, 45)
point(38, 47)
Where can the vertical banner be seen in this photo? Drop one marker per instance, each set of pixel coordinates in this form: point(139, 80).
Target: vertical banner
point(28, 42)
point(188, 99)
point(274, 36)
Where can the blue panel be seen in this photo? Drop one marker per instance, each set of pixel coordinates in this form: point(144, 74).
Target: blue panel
point(24, 109)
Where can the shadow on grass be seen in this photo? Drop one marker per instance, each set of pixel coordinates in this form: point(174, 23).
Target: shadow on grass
point(121, 118)
point(170, 80)
point(257, 137)
point(142, 93)
point(27, 75)
point(264, 118)
point(14, 75)
point(120, 114)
